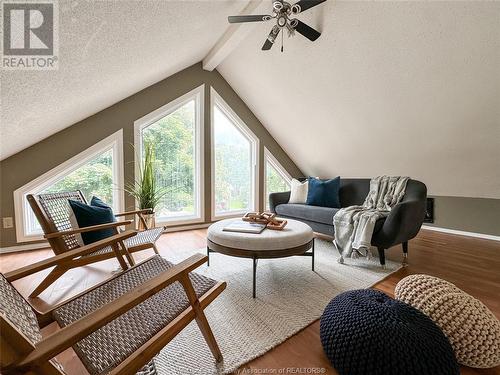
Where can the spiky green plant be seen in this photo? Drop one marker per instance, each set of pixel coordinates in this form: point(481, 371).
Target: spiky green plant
point(145, 188)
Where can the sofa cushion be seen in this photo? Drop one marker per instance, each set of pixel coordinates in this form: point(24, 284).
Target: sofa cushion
point(322, 215)
point(318, 214)
point(323, 193)
point(298, 191)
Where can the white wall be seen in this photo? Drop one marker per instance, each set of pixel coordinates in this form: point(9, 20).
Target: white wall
point(409, 88)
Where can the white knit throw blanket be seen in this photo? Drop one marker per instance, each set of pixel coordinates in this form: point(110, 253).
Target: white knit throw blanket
point(354, 225)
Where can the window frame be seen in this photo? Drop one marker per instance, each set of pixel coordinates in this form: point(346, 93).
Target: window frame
point(216, 99)
point(22, 208)
point(198, 94)
point(269, 158)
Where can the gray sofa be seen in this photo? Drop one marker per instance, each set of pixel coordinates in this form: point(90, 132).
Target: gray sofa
point(402, 224)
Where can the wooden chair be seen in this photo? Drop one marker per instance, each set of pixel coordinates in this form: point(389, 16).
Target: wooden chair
point(53, 214)
point(116, 327)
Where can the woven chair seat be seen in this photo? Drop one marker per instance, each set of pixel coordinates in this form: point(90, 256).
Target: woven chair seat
point(148, 236)
point(15, 308)
point(107, 347)
point(104, 250)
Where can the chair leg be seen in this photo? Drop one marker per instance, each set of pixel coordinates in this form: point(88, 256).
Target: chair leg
point(56, 273)
point(129, 256)
point(156, 249)
point(201, 319)
point(405, 253)
point(381, 255)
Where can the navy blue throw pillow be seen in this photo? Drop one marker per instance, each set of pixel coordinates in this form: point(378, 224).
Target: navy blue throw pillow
point(88, 215)
point(97, 202)
point(324, 193)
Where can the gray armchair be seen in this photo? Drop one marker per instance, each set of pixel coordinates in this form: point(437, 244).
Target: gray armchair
point(402, 224)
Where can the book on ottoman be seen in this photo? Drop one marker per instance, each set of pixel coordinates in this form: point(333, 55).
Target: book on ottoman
point(244, 227)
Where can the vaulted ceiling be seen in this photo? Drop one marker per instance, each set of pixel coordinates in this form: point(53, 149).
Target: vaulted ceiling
point(409, 88)
point(401, 88)
point(108, 50)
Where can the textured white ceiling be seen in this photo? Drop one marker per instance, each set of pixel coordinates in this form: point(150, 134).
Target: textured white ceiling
point(108, 50)
point(410, 88)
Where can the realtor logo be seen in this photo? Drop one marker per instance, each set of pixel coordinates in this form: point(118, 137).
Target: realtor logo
point(29, 35)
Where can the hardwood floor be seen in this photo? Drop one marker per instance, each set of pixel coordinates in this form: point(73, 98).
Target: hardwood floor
point(470, 263)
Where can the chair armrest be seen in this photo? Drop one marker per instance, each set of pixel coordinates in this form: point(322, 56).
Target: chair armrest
point(67, 256)
point(276, 199)
point(136, 212)
point(88, 229)
point(71, 334)
point(402, 224)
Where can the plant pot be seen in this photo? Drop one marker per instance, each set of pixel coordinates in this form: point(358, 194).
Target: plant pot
point(150, 221)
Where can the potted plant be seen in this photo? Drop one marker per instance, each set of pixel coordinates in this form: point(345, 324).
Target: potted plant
point(145, 188)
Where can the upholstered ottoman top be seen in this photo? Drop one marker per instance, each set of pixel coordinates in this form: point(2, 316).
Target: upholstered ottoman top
point(294, 235)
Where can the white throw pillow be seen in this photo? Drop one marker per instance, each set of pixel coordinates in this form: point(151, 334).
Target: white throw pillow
point(298, 193)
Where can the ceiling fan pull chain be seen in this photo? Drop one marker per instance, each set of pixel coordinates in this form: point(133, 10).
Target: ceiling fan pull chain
point(282, 41)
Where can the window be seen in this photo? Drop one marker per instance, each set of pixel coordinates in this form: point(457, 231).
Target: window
point(96, 171)
point(277, 178)
point(176, 132)
point(234, 162)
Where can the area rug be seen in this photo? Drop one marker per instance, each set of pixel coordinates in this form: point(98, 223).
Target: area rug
point(290, 296)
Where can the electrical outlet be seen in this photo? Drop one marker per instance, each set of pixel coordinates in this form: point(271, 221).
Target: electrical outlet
point(7, 222)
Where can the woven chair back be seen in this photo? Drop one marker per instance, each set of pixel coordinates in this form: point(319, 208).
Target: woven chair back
point(53, 213)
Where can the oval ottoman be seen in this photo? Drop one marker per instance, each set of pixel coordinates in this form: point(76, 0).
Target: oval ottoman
point(473, 330)
point(367, 332)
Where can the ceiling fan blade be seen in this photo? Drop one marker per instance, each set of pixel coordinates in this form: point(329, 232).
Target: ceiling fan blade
point(249, 18)
point(303, 5)
point(271, 38)
point(307, 31)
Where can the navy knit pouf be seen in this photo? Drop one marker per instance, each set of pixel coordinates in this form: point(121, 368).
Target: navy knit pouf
point(365, 332)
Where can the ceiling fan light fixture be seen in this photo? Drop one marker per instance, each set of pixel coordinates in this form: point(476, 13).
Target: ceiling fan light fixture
point(282, 21)
point(283, 11)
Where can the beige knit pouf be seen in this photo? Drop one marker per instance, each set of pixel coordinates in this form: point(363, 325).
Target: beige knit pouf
point(473, 330)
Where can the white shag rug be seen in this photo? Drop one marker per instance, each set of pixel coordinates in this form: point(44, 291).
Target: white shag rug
point(290, 296)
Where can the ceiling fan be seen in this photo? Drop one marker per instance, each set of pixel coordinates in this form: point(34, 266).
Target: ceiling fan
point(284, 14)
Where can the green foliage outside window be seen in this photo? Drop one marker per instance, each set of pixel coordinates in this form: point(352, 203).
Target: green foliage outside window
point(233, 163)
point(173, 137)
point(94, 179)
point(274, 182)
point(233, 182)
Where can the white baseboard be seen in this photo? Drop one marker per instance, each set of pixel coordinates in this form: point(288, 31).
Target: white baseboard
point(27, 247)
point(187, 227)
point(462, 233)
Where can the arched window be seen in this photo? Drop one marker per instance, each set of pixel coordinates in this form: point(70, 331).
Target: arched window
point(277, 178)
point(234, 162)
point(96, 171)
